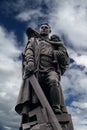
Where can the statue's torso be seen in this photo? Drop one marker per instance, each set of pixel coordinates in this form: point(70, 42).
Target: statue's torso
point(45, 56)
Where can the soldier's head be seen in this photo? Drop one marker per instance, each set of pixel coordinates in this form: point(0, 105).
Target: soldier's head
point(55, 38)
point(45, 29)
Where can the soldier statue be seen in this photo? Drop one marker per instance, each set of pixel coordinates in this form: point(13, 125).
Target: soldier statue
point(47, 58)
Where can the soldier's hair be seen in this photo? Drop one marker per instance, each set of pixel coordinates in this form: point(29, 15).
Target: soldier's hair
point(45, 24)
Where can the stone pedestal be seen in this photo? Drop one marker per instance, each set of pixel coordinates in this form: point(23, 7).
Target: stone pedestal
point(40, 120)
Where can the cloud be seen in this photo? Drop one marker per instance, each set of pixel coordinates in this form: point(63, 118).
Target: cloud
point(20, 6)
point(70, 18)
point(79, 118)
point(81, 60)
point(81, 105)
point(10, 77)
point(74, 84)
point(12, 7)
point(74, 80)
point(29, 14)
point(8, 128)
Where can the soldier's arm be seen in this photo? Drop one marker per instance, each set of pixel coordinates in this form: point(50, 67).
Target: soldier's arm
point(29, 52)
point(29, 57)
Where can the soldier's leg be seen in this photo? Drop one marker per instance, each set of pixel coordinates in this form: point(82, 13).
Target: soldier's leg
point(52, 80)
point(63, 105)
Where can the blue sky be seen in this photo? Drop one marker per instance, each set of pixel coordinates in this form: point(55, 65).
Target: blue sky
point(68, 19)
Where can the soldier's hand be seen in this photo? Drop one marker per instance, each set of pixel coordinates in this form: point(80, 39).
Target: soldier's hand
point(29, 69)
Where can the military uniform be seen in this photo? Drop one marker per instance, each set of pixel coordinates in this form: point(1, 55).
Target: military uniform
point(39, 57)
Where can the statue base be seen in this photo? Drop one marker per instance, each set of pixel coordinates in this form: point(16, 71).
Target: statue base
point(39, 120)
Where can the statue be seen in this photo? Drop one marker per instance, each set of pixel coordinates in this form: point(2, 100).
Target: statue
point(47, 59)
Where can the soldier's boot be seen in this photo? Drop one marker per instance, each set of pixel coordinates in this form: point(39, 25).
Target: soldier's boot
point(56, 109)
point(63, 109)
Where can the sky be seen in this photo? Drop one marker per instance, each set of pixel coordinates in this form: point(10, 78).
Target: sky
point(68, 19)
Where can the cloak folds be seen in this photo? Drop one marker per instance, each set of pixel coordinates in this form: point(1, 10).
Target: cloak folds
point(26, 98)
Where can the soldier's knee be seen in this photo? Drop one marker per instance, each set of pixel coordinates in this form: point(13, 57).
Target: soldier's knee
point(53, 79)
point(54, 83)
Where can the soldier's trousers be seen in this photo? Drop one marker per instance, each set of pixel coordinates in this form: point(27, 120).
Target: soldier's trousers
point(50, 84)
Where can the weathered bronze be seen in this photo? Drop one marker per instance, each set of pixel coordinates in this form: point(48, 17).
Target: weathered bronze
point(47, 59)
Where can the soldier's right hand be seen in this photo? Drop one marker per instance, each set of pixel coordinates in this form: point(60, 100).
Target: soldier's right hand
point(29, 69)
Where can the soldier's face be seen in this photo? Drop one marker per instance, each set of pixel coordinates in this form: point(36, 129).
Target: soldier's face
point(44, 30)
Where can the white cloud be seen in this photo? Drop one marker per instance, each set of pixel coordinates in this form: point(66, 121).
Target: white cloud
point(74, 84)
point(81, 105)
point(6, 47)
point(81, 60)
point(70, 18)
point(10, 74)
point(29, 14)
point(81, 127)
point(79, 116)
point(75, 79)
point(8, 128)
